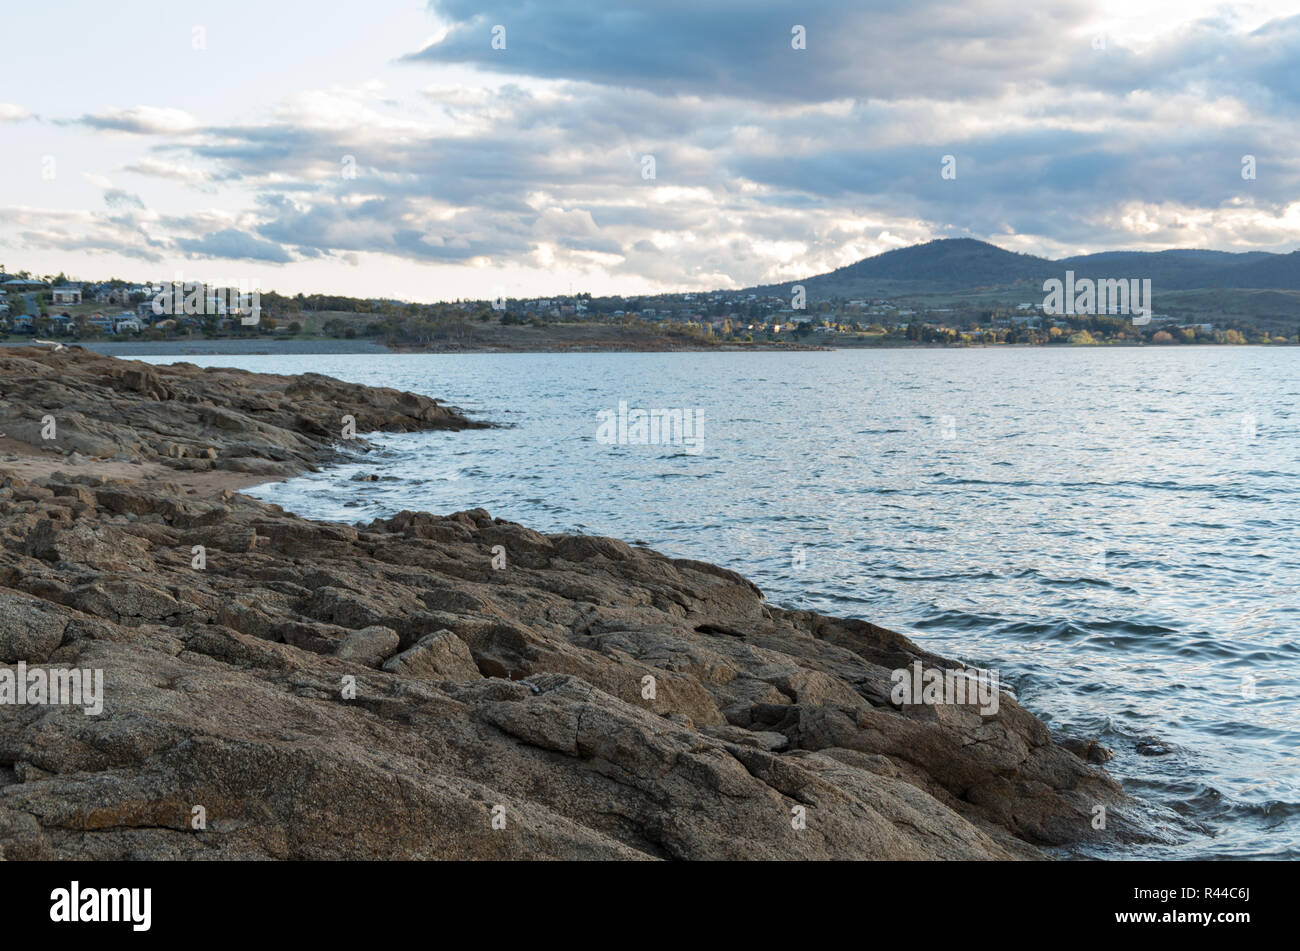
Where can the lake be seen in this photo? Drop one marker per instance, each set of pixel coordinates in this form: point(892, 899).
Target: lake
point(1114, 531)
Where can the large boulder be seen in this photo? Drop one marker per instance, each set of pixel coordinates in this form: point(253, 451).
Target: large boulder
point(368, 646)
point(437, 656)
point(30, 629)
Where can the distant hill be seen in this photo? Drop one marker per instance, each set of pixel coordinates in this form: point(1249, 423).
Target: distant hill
point(947, 264)
point(951, 265)
point(1190, 270)
point(1271, 272)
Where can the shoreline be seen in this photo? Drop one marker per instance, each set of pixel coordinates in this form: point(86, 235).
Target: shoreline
point(615, 702)
point(262, 347)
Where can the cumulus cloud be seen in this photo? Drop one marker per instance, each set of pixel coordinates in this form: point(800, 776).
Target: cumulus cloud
point(737, 181)
point(83, 232)
point(234, 244)
point(743, 49)
point(768, 161)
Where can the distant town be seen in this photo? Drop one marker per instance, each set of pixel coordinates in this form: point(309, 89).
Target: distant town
point(59, 308)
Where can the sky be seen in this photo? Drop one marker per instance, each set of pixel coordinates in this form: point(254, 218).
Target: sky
point(445, 150)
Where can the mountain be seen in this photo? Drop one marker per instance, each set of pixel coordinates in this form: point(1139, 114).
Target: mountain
point(1271, 271)
point(961, 262)
point(950, 265)
point(1189, 269)
point(947, 264)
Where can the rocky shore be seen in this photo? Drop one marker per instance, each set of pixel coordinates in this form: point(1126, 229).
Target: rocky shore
point(431, 686)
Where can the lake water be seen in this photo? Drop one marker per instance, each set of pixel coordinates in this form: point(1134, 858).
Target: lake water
point(1115, 531)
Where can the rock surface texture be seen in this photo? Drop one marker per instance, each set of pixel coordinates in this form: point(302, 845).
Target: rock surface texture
point(382, 691)
point(196, 420)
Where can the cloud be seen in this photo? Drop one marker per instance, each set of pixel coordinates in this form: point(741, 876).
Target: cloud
point(80, 232)
point(175, 171)
point(741, 49)
point(236, 245)
point(1209, 57)
point(12, 113)
point(119, 198)
point(410, 228)
point(744, 191)
point(141, 120)
point(769, 162)
point(889, 50)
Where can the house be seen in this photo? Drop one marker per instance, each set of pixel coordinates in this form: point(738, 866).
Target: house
point(126, 322)
point(115, 295)
point(66, 294)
